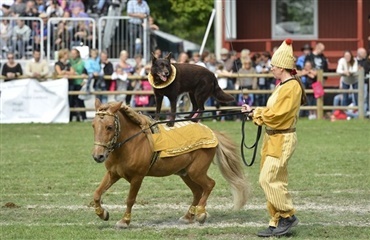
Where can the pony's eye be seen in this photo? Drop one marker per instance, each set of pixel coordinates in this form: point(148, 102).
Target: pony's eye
point(110, 128)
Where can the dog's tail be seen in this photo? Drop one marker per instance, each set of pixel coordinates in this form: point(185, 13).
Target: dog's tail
point(221, 95)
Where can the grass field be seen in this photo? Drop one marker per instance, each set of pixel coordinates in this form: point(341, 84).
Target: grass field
point(47, 179)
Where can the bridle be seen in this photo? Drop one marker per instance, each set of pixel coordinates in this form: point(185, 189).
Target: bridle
point(111, 145)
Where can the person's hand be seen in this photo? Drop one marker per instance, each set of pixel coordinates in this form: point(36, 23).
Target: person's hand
point(247, 109)
point(10, 75)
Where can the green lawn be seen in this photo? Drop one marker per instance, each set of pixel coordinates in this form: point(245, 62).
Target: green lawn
point(48, 177)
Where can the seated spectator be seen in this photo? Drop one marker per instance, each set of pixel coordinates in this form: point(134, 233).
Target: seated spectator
point(92, 66)
point(62, 37)
point(80, 34)
point(31, 11)
point(306, 50)
point(62, 66)
point(77, 4)
point(54, 10)
point(5, 35)
point(21, 37)
point(128, 69)
point(37, 68)
point(17, 8)
point(11, 69)
point(40, 5)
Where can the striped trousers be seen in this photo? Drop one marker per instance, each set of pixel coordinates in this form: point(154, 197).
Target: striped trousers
point(274, 177)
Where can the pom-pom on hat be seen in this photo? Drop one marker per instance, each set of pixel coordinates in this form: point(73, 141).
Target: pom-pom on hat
point(283, 56)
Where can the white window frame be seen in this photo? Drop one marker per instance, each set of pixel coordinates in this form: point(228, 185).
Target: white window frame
point(274, 34)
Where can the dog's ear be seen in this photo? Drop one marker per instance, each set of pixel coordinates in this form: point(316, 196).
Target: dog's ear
point(169, 56)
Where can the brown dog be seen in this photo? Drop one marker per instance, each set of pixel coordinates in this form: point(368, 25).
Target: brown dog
point(171, 80)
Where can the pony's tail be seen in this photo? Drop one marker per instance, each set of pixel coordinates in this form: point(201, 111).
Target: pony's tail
point(229, 163)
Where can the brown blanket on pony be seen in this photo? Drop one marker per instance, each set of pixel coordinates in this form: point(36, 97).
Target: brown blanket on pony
point(184, 137)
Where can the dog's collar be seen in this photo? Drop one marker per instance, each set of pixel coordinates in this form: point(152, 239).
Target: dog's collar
point(162, 84)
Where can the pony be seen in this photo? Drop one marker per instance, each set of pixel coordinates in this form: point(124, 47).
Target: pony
point(123, 141)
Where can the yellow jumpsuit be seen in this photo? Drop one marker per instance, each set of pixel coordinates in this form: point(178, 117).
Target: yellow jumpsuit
point(281, 113)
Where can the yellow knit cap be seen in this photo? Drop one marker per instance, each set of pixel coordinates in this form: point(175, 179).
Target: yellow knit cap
point(283, 56)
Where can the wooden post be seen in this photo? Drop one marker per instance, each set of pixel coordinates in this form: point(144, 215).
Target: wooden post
point(360, 97)
point(320, 100)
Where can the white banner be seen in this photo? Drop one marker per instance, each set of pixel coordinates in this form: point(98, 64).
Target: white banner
point(30, 101)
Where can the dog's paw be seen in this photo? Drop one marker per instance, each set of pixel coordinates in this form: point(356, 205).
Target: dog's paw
point(170, 124)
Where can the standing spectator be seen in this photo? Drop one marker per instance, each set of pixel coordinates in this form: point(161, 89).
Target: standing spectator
point(158, 53)
point(78, 67)
point(197, 60)
point(5, 35)
point(211, 62)
point(17, 8)
point(103, 84)
point(362, 59)
point(248, 83)
point(37, 68)
point(183, 58)
point(153, 38)
point(11, 69)
point(318, 58)
point(367, 84)
point(92, 66)
point(62, 66)
point(21, 37)
point(347, 68)
point(128, 69)
point(264, 83)
point(137, 10)
point(306, 49)
point(308, 77)
point(120, 78)
point(244, 55)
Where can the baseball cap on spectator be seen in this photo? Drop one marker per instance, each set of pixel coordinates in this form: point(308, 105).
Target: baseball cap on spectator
point(224, 51)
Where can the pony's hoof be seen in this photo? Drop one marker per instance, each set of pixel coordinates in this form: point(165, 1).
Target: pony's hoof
point(201, 218)
point(186, 220)
point(102, 213)
point(106, 216)
point(122, 224)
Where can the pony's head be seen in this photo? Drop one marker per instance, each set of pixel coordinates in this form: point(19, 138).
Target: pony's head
point(106, 129)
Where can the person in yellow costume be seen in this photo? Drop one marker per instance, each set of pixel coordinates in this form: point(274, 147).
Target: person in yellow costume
point(279, 117)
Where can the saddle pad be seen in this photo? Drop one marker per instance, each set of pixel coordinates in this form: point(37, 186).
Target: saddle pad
point(182, 138)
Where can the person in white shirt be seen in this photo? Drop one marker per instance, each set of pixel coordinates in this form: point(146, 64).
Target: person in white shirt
point(348, 68)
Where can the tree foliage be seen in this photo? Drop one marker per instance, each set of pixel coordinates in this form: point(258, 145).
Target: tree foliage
point(187, 19)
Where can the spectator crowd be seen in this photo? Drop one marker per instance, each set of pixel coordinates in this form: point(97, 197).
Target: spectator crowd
point(97, 73)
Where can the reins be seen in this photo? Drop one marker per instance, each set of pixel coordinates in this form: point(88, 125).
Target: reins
point(244, 145)
point(112, 144)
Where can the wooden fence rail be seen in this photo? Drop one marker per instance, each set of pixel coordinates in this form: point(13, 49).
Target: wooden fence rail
point(320, 107)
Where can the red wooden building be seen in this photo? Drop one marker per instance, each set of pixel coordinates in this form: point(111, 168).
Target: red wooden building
point(260, 25)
